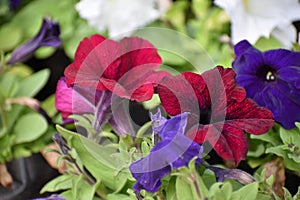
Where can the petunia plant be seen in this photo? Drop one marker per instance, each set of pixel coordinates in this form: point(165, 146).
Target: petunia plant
point(26, 127)
point(108, 156)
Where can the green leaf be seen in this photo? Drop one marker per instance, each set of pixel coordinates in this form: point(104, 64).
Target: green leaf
point(248, 192)
point(271, 137)
point(220, 191)
point(143, 130)
point(20, 151)
point(99, 160)
point(152, 103)
point(288, 163)
point(265, 44)
point(297, 195)
point(290, 136)
point(8, 85)
point(49, 105)
point(29, 127)
point(21, 70)
point(62, 182)
point(44, 52)
point(32, 85)
point(183, 190)
point(55, 9)
point(171, 189)
point(82, 190)
point(256, 148)
point(10, 36)
point(118, 197)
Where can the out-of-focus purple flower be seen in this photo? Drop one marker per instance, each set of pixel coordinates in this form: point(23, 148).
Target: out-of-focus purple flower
point(13, 4)
point(52, 197)
point(173, 151)
point(157, 121)
point(48, 35)
point(235, 174)
point(272, 79)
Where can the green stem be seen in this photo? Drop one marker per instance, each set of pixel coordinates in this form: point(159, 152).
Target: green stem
point(195, 183)
point(3, 117)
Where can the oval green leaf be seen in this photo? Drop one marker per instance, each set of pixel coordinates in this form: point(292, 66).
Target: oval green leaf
point(29, 127)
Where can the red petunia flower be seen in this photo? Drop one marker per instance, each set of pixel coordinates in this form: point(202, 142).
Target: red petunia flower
point(126, 68)
point(220, 111)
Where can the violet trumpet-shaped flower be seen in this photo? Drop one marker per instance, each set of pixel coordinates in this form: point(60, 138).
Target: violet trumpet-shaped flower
point(52, 197)
point(235, 174)
point(48, 35)
point(173, 151)
point(13, 4)
point(272, 79)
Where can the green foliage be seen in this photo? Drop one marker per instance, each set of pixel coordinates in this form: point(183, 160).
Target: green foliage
point(280, 142)
point(23, 130)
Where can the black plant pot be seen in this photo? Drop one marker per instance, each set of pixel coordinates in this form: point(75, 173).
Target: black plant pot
point(29, 175)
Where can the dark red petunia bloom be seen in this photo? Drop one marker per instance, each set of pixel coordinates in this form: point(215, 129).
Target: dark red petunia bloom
point(126, 68)
point(220, 111)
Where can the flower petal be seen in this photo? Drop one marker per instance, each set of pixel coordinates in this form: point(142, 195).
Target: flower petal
point(126, 68)
point(69, 101)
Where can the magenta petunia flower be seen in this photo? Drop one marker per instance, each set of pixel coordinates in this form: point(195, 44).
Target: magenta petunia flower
point(126, 68)
point(173, 151)
point(106, 107)
point(272, 79)
point(48, 35)
point(220, 112)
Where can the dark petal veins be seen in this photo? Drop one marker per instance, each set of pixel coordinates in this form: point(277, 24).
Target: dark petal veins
point(133, 52)
point(126, 68)
point(229, 107)
point(248, 116)
point(139, 88)
point(177, 95)
point(233, 140)
point(281, 58)
point(199, 87)
point(92, 57)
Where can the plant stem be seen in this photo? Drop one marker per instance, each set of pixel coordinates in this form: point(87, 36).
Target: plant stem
point(194, 180)
point(5, 177)
point(3, 117)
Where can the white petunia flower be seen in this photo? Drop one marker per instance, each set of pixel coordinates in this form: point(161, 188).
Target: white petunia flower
point(252, 19)
point(120, 17)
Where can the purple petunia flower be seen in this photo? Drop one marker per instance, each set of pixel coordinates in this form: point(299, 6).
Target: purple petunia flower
point(14, 4)
point(234, 174)
point(173, 151)
point(52, 197)
point(272, 79)
point(48, 35)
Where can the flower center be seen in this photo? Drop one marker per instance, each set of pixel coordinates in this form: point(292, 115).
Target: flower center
point(267, 73)
point(205, 116)
point(270, 76)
